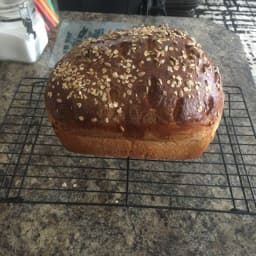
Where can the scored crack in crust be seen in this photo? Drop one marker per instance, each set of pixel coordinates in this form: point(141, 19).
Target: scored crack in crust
point(147, 79)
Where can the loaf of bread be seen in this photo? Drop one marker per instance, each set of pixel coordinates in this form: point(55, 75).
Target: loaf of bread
point(148, 92)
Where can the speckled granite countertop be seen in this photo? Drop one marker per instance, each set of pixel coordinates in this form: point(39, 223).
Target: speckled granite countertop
point(86, 230)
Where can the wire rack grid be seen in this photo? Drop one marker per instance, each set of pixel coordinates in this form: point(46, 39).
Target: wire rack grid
point(35, 168)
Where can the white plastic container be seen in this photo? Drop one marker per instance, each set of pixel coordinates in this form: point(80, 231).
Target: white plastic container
point(18, 43)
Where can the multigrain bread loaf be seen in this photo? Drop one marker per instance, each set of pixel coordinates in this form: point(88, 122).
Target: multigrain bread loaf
point(147, 92)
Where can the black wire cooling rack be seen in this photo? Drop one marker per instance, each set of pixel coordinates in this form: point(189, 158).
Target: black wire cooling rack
point(35, 168)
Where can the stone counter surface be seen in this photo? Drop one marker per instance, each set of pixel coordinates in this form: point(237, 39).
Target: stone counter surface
point(89, 230)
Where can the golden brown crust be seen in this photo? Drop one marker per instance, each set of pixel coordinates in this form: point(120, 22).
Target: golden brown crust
point(144, 84)
point(187, 144)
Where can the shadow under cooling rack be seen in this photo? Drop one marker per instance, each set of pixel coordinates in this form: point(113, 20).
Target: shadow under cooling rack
point(35, 168)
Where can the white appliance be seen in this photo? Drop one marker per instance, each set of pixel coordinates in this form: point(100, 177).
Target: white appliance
point(23, 36)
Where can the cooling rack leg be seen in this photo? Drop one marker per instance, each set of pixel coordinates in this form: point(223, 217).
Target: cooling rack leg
point(127, 181)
